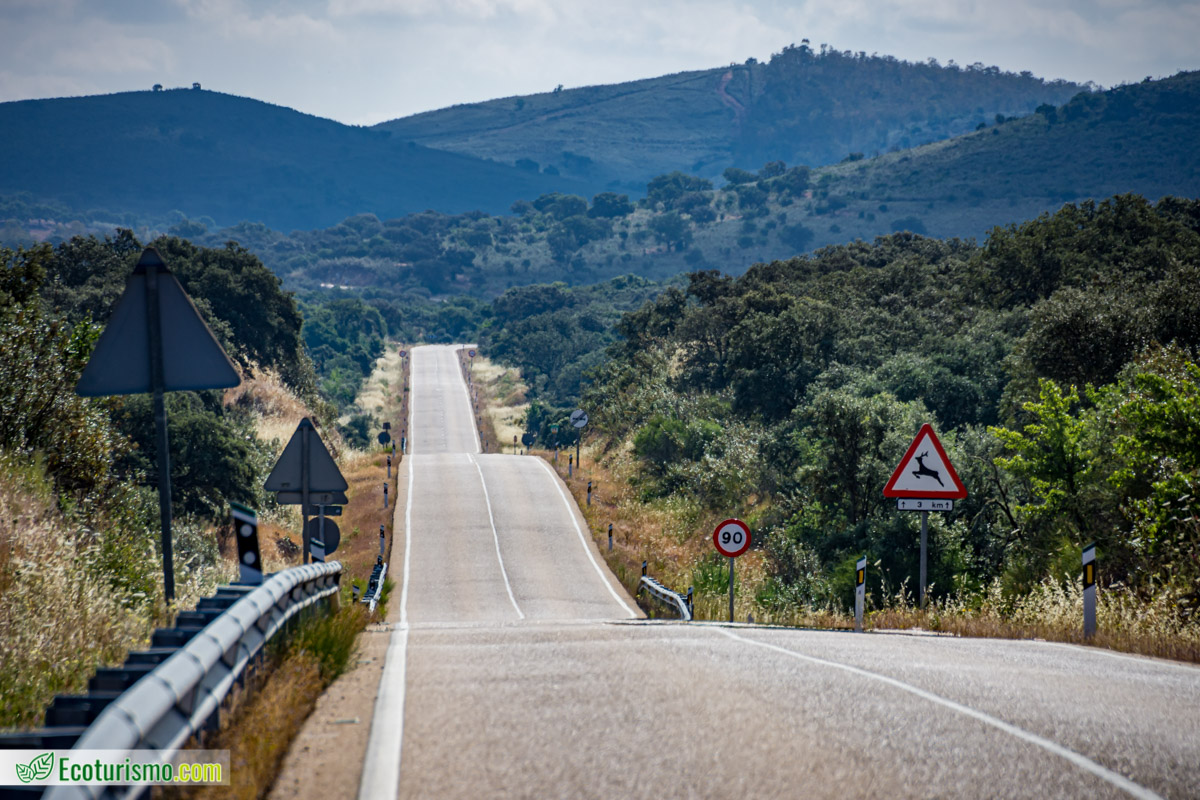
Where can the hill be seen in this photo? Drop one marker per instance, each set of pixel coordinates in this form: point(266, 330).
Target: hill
point(234, 159)
point(801, 107)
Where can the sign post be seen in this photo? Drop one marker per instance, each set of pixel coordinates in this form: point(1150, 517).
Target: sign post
point(157, 342)
point(925, 481)
point(731, 538)
point(579, 420)
point(1089, 591)
point(860, 592)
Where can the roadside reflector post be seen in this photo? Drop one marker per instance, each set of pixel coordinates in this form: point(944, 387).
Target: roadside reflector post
point(643, 569)
point(393, 449)
point(1089, 591)
point(245, 526)
point(860, 591)
point(589, 494)
point(385, 495)
point(390, 466)
point(691, 611)
point(610, 537)
point(515, 450)
point(382, 540)
point(570, 465)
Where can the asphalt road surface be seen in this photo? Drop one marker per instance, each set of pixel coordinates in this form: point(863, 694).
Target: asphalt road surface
point(517, 667)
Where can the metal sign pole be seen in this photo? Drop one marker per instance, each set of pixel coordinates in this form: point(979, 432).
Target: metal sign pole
point(304, 482)
point(731, 588)
point(578, 439)
point(924, 546)
point(157, 384)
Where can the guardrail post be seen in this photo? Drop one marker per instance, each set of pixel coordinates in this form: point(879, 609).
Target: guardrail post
point(610, 537)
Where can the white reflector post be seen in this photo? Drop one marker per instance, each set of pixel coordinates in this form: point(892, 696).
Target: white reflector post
point(1089, 591)
point(860, 592)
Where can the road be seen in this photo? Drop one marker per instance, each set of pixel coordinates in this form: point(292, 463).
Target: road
point(517, 667)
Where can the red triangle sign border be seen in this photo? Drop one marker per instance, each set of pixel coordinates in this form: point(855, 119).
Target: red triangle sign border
point(957, 492)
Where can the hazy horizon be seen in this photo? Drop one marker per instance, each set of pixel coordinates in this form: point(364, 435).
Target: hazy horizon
point(367, 61)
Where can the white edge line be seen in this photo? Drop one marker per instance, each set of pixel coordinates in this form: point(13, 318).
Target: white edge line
point(1145, 661)
point(1083, 762)
point(586, 548)
point(496, 537)
point(470, 412)
point(381, 766)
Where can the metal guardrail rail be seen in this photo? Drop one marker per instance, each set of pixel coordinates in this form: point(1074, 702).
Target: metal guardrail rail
point(163, 696)
point(667, 597)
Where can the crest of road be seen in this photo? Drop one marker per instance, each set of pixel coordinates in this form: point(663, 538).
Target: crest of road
point(519, 667)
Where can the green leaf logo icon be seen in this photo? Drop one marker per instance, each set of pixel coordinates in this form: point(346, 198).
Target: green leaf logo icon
point(37, 770)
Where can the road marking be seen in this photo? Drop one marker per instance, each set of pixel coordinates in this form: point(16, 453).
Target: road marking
point(1083, 762)
point(583, 541)
point(496, 537)
point(470, 414)
point(1145, 661)
point(381, 766)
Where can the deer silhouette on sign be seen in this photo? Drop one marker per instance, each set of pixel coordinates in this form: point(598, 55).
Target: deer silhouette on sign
point(924, 470)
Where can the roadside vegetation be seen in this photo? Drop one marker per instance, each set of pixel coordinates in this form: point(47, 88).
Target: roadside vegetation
point(80, 574)
point(1057, 363)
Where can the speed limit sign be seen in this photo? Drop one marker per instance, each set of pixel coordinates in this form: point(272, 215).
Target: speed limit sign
point(732, 538)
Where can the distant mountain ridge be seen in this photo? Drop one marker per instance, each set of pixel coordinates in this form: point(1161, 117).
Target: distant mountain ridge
point(802, 107)
point(233, 159)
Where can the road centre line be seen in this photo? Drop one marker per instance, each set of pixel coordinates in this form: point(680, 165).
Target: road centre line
point(587, 549)
point(1081, 761)
point(496, 537)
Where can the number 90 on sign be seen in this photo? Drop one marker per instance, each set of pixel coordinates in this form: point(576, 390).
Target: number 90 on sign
point(732, 538)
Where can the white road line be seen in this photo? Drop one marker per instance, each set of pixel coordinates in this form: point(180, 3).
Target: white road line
point(381, 766)
point(496, 538)
point(470, 410)
point(586, 546)
point(1083, 762)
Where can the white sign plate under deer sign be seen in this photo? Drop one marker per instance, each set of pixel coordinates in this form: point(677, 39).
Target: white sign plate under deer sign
point(925, 472)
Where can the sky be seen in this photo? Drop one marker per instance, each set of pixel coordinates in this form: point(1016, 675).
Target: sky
point(366, 61)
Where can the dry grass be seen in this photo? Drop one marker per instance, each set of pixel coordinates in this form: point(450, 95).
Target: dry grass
point(277, 409)
point(260, 725)
point(673, 536)
point(500, 394)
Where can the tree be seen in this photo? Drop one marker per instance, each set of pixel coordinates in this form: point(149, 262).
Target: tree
point(672, 230)
point(666, 189)
point(610, 205)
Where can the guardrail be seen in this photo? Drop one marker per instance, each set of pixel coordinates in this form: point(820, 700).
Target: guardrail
point(167, 694)
point(667, 597)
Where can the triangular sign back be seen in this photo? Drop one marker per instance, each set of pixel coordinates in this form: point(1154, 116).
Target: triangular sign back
point(925, 471)
point(323, 473)
point(192, 357)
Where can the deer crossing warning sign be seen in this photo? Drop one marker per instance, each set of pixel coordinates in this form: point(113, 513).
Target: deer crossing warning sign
point(925, 472)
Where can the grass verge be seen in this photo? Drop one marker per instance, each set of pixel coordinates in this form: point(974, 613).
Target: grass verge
point(672, 536)
point(264, 720)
